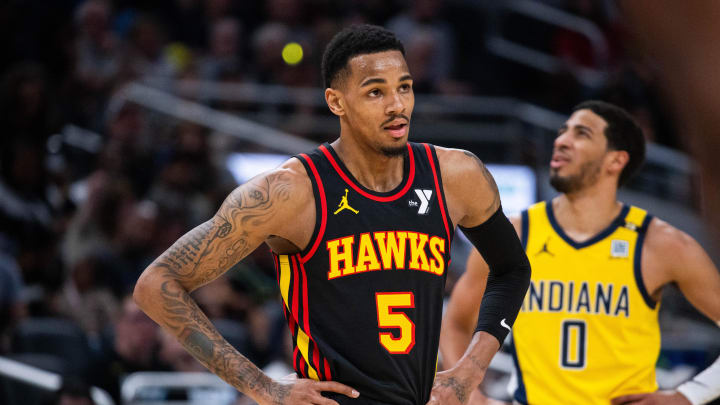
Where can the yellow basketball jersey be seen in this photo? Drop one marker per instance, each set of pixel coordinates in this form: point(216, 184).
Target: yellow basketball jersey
point(588, 330)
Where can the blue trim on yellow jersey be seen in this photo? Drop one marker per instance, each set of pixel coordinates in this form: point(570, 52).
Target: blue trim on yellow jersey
point(638, 263)
point(520, 395)
point(618, 221)
point(524, 227)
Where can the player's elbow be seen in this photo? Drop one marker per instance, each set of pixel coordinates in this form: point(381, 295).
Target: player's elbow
point(145, 288)
point(522, 272)
point(525, 271)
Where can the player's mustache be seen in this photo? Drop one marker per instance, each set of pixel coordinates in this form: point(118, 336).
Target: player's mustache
point(394, 117)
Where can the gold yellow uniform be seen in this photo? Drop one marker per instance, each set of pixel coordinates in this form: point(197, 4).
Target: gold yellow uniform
point(588, 330)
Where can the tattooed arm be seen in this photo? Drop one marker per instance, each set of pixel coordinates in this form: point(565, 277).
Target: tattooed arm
point(272, 204)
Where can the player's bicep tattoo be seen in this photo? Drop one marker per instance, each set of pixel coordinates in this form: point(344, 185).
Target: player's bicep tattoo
point(210, 249)
point(495, 200)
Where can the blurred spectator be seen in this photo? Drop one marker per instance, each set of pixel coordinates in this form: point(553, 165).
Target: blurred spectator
point(576, 49)
point(145, 55)
point(27, 107)
point(23, 182)
point(96, 47)
point(127, 154)
point(95, 226)
point(12, 306)
point(218, 9)
point(84, 298)
point(429, 42)
point(224, 59)
point(132, 346)
point(27, 219)
point(135, 241)
point(72, 392)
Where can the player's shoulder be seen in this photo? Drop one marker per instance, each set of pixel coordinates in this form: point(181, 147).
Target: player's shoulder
point(458, 164)
point(664, 240)
point(289, 183)
point(293, 172)
point(454, 156)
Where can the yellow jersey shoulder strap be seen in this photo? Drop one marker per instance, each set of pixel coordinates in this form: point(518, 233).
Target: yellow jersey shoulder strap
point(635, 219)
point(638, 220)
point(537, 212)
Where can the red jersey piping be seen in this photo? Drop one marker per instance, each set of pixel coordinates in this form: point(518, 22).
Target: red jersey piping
point(344, 176)
point(437, 190)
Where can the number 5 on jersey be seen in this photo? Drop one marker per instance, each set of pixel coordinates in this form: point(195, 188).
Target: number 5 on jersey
point(389, 319)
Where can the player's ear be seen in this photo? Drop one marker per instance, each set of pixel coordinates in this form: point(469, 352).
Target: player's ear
point(618, 160)
point(335, 101)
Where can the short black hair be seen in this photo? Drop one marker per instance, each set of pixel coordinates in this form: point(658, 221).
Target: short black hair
point(352, 41)
point(622, 133)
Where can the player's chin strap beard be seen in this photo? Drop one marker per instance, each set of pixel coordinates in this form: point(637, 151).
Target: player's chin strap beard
point(393, 152)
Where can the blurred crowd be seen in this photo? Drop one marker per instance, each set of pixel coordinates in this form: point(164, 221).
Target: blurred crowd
point(79, 224)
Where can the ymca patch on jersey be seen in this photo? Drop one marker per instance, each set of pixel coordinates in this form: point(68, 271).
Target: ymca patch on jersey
point(423, 202)
point(619, 248)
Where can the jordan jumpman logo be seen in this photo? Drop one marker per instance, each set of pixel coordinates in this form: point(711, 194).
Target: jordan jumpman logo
point(545, 249)
point(344, 205)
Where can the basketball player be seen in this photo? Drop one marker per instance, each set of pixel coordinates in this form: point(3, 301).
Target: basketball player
point(360, 231)
point(588, 329)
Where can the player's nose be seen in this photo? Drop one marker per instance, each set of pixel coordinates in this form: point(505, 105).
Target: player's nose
point(395, 104)
point(562, 141)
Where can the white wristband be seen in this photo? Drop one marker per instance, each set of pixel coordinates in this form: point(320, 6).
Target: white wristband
point(704, 387)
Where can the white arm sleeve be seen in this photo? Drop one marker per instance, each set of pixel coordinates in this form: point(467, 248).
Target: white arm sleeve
point(704, 387)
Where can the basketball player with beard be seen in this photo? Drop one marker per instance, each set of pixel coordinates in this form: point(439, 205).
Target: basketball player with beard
point(360, 231)
point(588, 329)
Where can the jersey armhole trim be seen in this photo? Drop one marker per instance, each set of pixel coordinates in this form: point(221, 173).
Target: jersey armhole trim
point(524, 228)
point(638, 263)
point(432, 158)
point(520, 394)
point(320, 210)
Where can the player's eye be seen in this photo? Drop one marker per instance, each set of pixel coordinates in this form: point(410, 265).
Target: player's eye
point(405, 88)
point(374, 93)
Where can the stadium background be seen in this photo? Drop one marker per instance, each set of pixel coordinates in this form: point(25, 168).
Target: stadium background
point(125, 123)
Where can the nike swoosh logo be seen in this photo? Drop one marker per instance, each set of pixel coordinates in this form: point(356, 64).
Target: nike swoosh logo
point(504, 325)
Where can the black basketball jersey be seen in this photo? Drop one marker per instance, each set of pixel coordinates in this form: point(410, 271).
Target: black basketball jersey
point(364, 299)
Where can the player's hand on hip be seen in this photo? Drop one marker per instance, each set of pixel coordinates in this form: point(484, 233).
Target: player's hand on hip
point(657, 397)
point(291, 390)
point(449, 390)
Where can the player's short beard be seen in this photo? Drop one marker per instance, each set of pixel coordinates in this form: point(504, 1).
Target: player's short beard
point(588, 175)
point(393, 151)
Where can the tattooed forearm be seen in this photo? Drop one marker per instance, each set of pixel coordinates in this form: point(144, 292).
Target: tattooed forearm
point(495, 204)
point(197, 334)
point(198, 344)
